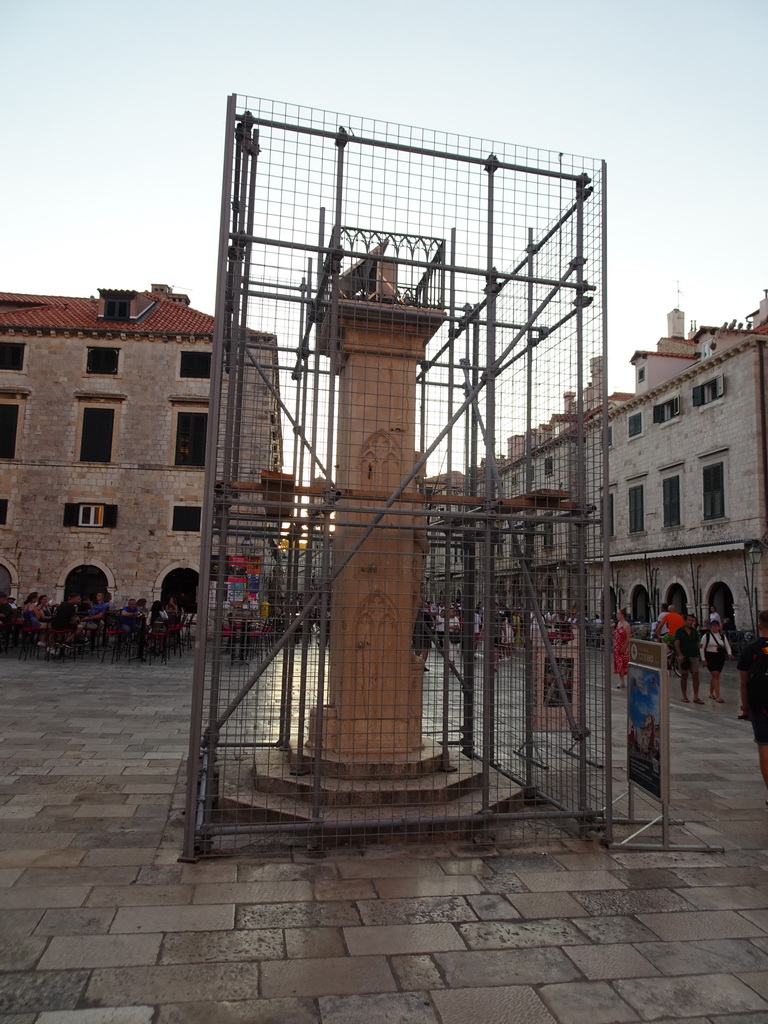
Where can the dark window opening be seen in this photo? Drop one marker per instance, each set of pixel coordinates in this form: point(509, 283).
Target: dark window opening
point(190, 438)
point(195, 364)
point(714, 491)
point(549, 466)
point(102, 360)
point(117, 309)
point(671, 500)
point(635, 424)
point(11, 356)
point(89, 514)
point(636, 511)
point(9, 418)
point(3, 511)
point(666, 410)
point(96, 440)
point(705, 393)
point(186, 517)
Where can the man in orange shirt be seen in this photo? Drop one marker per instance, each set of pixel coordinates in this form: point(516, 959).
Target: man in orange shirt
point(669, 622)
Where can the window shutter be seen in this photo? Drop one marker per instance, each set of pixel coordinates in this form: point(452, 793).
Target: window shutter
point(96, 442)
point(719, 386)
point(9, 417)
point(698, 395)
point(71, 513)
point(658, 414)
point(3, 511)
point(676, 405)
point(110, 515)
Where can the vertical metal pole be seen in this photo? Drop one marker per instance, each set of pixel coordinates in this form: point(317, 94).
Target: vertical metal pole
point(528, 538)
point(606, 478)
point(582, 193)
point(469, 548)
point(192, 821)
point(341, 142)
point(446, 697)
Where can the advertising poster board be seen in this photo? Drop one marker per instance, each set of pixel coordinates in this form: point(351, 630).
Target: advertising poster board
point(648, 719)
point(549, 710)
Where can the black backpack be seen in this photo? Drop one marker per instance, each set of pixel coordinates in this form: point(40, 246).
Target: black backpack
point(757, 677)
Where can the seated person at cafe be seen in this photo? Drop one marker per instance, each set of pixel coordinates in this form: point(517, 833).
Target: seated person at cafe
point(65, 617)
point(95, 617)
point(130, 617)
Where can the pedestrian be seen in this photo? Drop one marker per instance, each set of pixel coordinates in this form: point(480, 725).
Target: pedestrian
point(422, 633)
point(687, 641)
point(715, 648)
point(621, 636)
point(753, 687)
point(454, 634)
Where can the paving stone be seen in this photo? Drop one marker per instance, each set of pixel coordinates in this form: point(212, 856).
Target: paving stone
point(721, 876)
point(688, 996)
point(466, 866)
point(667, 859)
point(758, 917)
point(286, 872)
point(104, 1015)
point(504, 882)
point(139, 895)
point(252, 892)
point(518, 934)
point(614, 929)
point(222, 947)
point(20, 953)
point(174, 919)
point(402, 938)
point(210, 871)
point(26, 858)
point(502, 1005)
point(262, 1011)
point(631, 901)
point(594, 860)
point(546, 904)
point(346, 889)
point(716, 956)
point(19, 923)
point(438, 885)
point(586, 1002)
point(701, 924)
point(182, 983)
point(313, 942)
point(415, 911)
point(505, 967)
point(493, 907)
point(569, 881)
point(532, 862)
point(326, 976)
point(648, 878)
point(416, 973)
point(379, 867)
point(729, 1018)
point(400, 1008)
point(74, 951)
point(725, 897)
point(606, 961)
point(26, 896)
point(297, 915)
point(35, 991)
point(9, 875)
point(758, 980)
point(82, 875)
point(79, 921)
point(18, 1018)
point(164, 874)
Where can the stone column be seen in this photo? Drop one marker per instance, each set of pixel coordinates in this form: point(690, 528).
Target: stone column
point(372, 721)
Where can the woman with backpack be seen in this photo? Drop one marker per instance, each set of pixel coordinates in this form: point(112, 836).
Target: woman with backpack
point(715, 649)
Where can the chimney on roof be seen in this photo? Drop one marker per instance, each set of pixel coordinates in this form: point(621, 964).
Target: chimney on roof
point(676, 324)
point(762, 313)
point(165, 291)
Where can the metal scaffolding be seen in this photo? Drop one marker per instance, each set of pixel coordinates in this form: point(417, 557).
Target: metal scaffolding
point(403, 568)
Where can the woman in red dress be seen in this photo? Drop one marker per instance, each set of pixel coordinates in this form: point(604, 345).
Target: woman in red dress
point(621, 637)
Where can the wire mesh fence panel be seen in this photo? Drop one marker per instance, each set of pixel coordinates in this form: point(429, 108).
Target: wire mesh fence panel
point(402, 544)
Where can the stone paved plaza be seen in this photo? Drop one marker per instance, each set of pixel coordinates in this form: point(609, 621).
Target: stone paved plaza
point(101, 925)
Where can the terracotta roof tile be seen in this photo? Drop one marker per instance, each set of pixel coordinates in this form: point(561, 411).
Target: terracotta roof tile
point(71, 313)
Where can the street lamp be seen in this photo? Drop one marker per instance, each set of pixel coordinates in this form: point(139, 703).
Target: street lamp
point(754, 555)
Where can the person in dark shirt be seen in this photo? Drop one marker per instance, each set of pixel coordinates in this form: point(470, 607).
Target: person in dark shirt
point(753, 687)
point(687, 641)
point(65, 617)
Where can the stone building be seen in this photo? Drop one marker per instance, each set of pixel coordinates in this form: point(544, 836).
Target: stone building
point(688, 474)
point(103, 422)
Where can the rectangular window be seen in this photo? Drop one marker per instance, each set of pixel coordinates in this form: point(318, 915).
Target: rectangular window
point(549, 535)
point(636, 511)
point(102, 360)
point(96, 440)
point(610, 515)
point(610, 436)
point(549, 466)
point(635, 424)
point(3, 511)
point(9, 418)
point(186, 517)
point(666, 410)
point(195, 364)
point(671, 500)
point(713, 480)
point(190, 438)
point(117, 309)
point(705, 393)
point(81, 514)
point(11, 356)
point(641, 375)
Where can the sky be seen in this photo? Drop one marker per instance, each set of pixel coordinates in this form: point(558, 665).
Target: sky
point(113, 127)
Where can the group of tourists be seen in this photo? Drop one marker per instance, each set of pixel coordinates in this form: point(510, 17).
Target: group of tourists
point(78, 619)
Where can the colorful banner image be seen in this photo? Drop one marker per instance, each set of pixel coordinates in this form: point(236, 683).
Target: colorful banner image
point(644, 767)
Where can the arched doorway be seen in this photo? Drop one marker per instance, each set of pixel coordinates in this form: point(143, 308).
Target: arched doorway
point(677, 596)
point(86, 580)
point(721, 597)
point(5, 580)
point(181, 585)
point(640, 605)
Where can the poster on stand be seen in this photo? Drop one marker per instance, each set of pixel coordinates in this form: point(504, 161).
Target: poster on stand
point(648, 720)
